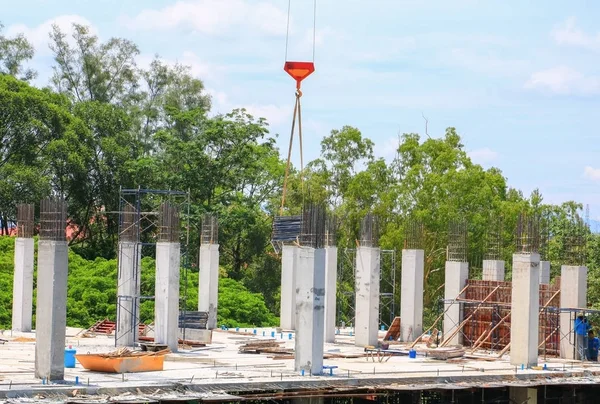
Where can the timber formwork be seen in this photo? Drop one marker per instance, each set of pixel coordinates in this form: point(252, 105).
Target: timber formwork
point(486, 316)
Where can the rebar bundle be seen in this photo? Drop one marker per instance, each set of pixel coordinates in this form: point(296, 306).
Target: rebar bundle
point(369, 231)
point(168, 229)
point(53, 219)
point(457, 241)
point(493, 238)
point(210, 229)
point(313, 226)
point(25, 213)
point(414, 235)
point(528, 233)
point(286, 229)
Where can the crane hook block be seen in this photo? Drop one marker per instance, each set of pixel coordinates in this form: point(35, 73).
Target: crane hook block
point(299, 71)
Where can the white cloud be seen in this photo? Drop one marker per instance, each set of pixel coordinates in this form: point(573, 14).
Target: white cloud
point(591, 173)
point(39, 36)
point(569, 34)
point(214, 17)
point(564, 80)
point(388, 148)
point(483, 156)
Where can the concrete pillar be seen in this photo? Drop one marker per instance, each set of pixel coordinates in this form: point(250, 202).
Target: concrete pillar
point(544, 272)
point(330, 292)
point(310, 314)
point(128, 291)
point(166, 295)
point(23, 285)
point(367, 295)
point(493, 270)
point(411, 304)
point(208, 289)
point(287, 306)
point(51, 309)
point(456, 277)
point(523, 395)
point(525, 308)
point(573, 295)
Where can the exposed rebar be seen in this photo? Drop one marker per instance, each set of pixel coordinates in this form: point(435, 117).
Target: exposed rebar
point(331, 228)
point(413, 235)
point(313, 226)
point(25, 214)
point(168, 229)
point(53, 219)
point(457, 241)
point(575, 242)
point(129, 224)
point(210, 229)
point(369, 231)
point(545, 236)
point(527, 233)
point(494, 242)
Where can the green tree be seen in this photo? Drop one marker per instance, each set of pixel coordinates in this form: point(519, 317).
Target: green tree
point(13, 53)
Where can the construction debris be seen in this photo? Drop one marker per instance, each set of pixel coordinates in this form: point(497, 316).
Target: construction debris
point(265, 346)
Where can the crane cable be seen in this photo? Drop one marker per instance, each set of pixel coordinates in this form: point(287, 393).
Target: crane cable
point(297, 109)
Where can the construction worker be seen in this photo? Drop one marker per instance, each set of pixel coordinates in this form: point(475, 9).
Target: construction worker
point(593, 345)
point(581, 332)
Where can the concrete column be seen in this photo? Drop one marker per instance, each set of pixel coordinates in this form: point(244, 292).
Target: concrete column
point(23, 285)
point(128, 290)
point(544, 272)
point(523, 395)
point(525, 309)
point(330, 292)
point(573, 295)
point(411, 304)
point(166, 295)
point(208, 289)
point(51, 309)
point(367, 295)
point(310, 314)
point(287, 306)
point(456, 277)
point(493, 270)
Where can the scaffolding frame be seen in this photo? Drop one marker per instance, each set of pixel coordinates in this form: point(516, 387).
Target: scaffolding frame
point(144, 229)
point(388, 290)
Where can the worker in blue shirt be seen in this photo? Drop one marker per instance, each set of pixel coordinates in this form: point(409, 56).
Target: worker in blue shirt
point(593, 345)
point(582, 327)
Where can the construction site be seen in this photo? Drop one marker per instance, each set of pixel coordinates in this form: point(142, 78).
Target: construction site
point(492, 341)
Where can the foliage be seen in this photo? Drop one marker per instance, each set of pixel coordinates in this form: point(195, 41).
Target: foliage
point(107, 122)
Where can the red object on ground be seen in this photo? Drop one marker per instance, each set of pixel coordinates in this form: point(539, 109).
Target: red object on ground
point(299, 70)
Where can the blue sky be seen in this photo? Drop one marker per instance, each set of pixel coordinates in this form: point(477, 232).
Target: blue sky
point(519, 80)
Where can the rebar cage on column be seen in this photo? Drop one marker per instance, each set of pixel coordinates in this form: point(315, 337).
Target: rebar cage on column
point(210, 229)
point(53, 219)
point(527, 233)
point(25, 219)
point(457, 241)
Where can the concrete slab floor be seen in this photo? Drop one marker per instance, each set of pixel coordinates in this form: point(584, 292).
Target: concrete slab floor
point(221, 364)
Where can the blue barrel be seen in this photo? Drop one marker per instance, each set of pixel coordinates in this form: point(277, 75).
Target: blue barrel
point(412, 354)
point(70, 357)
